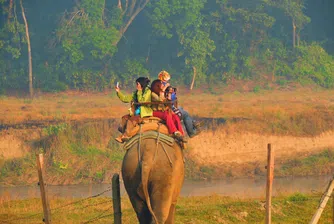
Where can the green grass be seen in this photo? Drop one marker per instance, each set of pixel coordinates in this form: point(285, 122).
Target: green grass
point(55, 129)
point(315, 164)
point(16, 168)
point(298, 197)
point(195, 210)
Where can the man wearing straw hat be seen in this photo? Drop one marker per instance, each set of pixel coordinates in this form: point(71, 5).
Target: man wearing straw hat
point(192, 126)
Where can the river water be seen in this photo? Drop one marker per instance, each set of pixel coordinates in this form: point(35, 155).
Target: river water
point(240, 188)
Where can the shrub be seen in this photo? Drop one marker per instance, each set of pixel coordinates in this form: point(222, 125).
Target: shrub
point(55, 129)
point(313, 62)
point(256, 89)
point(298, 197)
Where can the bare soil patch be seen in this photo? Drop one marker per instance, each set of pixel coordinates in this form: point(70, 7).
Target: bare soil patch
point(219, 147)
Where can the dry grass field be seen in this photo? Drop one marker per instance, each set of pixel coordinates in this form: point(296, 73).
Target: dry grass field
point(271, 106)
point(238, 125)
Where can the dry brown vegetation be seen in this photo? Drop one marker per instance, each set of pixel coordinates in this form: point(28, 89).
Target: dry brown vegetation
point(290, 112)
point(237, 128)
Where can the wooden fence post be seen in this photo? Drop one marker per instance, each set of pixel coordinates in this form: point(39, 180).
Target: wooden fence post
point(42, 185)
point(116, 198)
point(270, 177)
point(323, 202)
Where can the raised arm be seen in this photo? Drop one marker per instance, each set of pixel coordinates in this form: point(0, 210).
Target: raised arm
point(125, 98)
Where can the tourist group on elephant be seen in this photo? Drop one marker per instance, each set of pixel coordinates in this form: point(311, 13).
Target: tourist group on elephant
point(158, 100)
point(153, 165)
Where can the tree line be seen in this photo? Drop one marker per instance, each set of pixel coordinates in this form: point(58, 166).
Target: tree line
point(90, 44)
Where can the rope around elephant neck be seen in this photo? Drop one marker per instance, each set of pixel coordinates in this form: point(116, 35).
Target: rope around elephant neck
point(158, 138)
point(139, 144)
point(156, 151)
point(170, 161)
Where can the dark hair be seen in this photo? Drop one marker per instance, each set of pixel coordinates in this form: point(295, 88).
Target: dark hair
point(143, 81)
point(156, 86)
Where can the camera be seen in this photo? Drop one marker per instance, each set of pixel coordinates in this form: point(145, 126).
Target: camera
point(170, 93)
point(170, 89)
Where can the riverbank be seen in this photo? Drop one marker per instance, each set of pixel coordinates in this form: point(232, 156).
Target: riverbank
point(242, 188)
point(76, 131)
point(291, 209)
point(85, 153)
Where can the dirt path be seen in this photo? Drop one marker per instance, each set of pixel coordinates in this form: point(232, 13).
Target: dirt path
point(214, 148)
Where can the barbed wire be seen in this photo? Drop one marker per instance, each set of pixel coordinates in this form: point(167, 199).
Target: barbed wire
point(81, 200)
point(100, 216)
point(91, 205)
point(60, 207)
point(21, 218)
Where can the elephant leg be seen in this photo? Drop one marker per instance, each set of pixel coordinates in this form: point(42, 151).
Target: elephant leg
point(143, 214)
point(131, 177)
point(171, 215)
point(161, 201)
point(177, 190)
point(172, 209)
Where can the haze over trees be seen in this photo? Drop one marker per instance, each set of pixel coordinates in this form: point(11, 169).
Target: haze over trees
point(91, 44)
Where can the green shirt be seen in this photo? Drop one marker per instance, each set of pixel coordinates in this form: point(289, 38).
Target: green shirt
point(145, 110)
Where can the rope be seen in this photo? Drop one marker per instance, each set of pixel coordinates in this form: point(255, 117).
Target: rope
point(149, 135)
point(139, 143)
point(170, 161)
point(158, 138)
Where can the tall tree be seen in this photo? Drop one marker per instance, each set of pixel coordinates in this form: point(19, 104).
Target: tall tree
point(184, 20)
point(31, 90)
point(11, 38)
point(89, 36)
point(294, 10)
point(129, 12)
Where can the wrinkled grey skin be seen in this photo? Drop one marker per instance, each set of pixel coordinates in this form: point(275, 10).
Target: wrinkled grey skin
point(153, 185)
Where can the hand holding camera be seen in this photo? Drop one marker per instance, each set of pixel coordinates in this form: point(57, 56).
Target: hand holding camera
point(170, 93)
point(117, 87)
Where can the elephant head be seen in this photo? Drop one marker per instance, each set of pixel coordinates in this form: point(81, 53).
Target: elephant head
point(153, 174)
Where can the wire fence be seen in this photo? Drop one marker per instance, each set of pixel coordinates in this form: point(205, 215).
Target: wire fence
point(106, 213)
point(100, 216)
point(60, 208)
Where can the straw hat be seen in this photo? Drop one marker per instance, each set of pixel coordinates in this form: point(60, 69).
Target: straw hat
point(164, 76)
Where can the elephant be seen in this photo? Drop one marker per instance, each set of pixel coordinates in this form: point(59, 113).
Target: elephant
point(153, 175)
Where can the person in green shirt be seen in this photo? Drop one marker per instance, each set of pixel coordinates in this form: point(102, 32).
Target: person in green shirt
point(141, 95)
